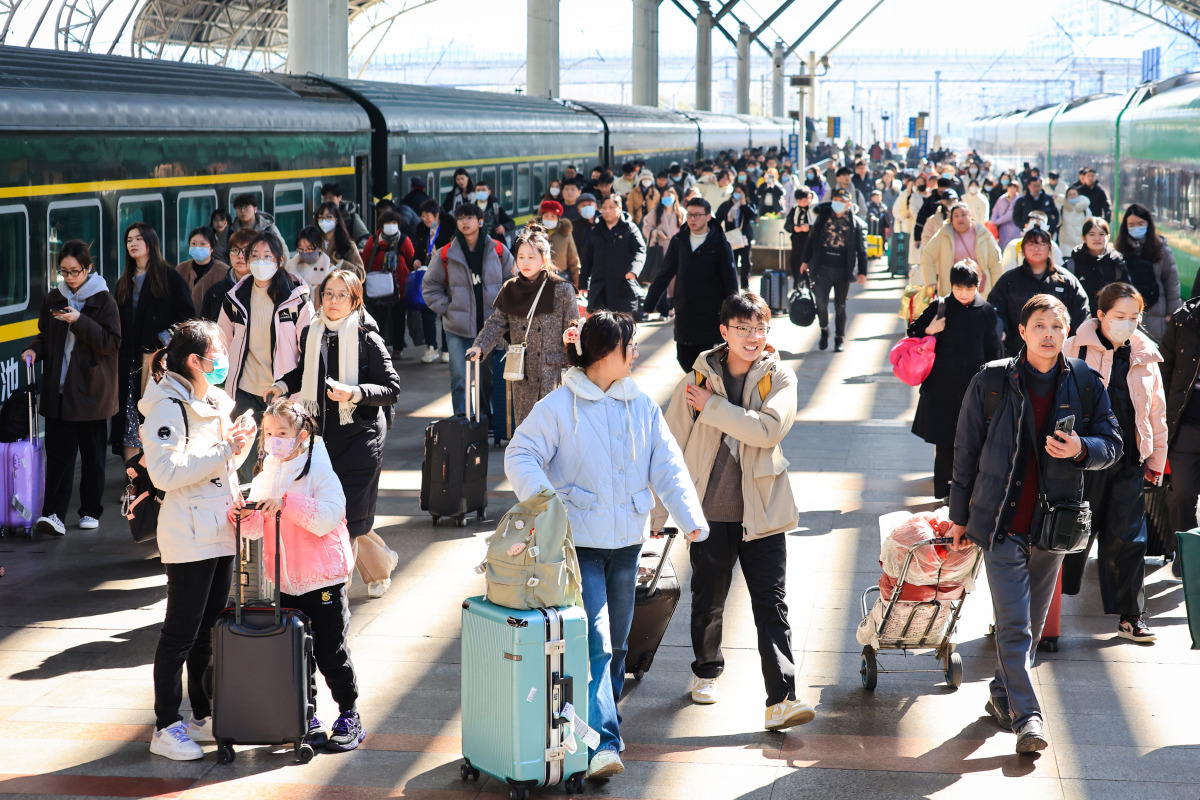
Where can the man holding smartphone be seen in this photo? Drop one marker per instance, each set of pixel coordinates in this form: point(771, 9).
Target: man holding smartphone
point(1028, 428)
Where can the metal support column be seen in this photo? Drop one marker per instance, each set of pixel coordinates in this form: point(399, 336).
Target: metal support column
point(645, 52)
point(777, 99)
point(541, 49)
point(812, 92)
point(704, 23)
point(937, 106)
point(318, 35)
point(743, 69)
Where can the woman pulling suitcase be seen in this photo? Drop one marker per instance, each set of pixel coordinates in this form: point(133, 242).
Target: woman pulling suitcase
point(193, 451)
point(602, 445)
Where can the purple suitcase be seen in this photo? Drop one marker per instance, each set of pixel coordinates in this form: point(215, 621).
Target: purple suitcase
point(23, 481)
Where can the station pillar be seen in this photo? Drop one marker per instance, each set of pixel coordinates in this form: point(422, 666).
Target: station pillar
point(704, 23)
point(743, 69)
point(318, 35)
point(645, 52)
point(541, 49)
point(777, 98)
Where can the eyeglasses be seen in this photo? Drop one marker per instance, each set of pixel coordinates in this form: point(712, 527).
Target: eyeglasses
point(71, 273)
point(337, 297)
point(696, 216)
point(746, 330)
point(239, 251)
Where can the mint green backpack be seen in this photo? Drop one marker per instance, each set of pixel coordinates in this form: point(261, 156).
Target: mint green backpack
point(531, 561)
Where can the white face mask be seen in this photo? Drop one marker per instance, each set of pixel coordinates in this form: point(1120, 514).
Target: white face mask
point(327, 225)
point(390, 229)
point(1119, 331)
point(646, 184)
point(555, 191)
point(263, 270)
point(550, 224)
point(973, 190)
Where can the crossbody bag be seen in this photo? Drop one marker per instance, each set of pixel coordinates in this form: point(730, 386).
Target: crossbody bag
point(514, 356)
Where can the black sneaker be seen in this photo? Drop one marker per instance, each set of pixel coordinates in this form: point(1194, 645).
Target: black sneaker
point(824, 342)
point(997, 709)
point(347, 733)
point(838, 346)
point(1134, 629)
point(316, 733)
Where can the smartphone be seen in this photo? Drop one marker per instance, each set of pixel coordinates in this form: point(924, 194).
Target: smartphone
point(330, 382)
point(1066, 425)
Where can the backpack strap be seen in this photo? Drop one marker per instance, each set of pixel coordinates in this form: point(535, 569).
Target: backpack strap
point(446, 262)
point(993, 387)
point(1085, 384)
point(187, 432)
point(764, 387)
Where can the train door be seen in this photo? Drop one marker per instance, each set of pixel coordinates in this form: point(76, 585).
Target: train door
point(362, 181)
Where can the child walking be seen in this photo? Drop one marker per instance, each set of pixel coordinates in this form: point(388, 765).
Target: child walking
point(296, 480)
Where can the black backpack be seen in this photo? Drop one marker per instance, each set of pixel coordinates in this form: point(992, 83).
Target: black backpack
point(995, 378)
point(142, 499)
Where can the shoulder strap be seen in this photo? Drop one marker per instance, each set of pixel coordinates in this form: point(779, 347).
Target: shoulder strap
point(993, 387)
point(1085, 384)
point(499, 250)
point(941, 309)
point(764, 387)
point(187, 432)
point(446, 262)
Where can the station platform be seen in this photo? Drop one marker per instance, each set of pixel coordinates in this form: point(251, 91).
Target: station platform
point(79, 618)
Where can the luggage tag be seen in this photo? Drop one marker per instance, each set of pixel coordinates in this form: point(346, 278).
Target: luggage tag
point(579, 728)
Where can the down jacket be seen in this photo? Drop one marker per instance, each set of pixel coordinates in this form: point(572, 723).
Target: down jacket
point(316, 546)
point(1181, 361)
point(606, 454)
point(759, 425)
point(938, 257)
point(985, 485)
point(290, 318)
point(448, 290)
point(1145, 387)
point(1015, 287)
point(703, 277)
point(609, 255)
point(193, 465)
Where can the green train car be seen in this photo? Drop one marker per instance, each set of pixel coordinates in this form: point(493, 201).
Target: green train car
point(1142, 143)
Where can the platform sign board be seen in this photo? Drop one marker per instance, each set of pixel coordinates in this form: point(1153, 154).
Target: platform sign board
point(794, 146)
point(922, 143)
point(912, 127)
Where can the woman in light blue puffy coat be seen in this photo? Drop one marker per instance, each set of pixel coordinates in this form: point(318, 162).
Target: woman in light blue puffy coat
point(605, 448)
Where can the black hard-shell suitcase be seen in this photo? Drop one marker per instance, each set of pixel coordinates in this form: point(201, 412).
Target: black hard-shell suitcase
point(654, 605)
point(898, 254)
point(262, 690)
point(773, 289)
point(454, 471)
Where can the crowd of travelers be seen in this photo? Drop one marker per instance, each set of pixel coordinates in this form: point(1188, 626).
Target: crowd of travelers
point(268, 364)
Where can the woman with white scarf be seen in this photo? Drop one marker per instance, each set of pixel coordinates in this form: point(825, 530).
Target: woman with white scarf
point(345, 379)
point(739, 213)
point(79, 336)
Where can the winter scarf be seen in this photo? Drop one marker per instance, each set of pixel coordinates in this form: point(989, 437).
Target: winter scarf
point(517, 294)
point(94, 285)
point(346, 330)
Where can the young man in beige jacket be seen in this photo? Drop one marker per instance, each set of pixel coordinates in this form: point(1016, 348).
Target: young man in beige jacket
point(730, 414)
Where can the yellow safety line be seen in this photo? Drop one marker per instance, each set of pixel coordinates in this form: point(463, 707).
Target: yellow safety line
point(476, 162)
point(155, 183)
point(649, 150)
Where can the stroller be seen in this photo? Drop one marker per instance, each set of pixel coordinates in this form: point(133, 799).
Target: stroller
point(919, 597)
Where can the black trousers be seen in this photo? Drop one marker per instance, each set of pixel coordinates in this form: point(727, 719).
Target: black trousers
point(64, 440)
point(764, 566)
point(686, 354)
point(741, 260)
point(943, 470)
point(1119, 522)
point(196, 593)
point(243, 401)
point(328, 612)
point(1185, 477)
point(835, 280)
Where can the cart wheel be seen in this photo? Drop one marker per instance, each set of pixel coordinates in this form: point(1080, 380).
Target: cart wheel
point(574, 785)
point(435, 520)
point(304, 753)
point(869, 669)
point(1048, 644)
point(225, 754)
point(461, 522)
point(954, 672)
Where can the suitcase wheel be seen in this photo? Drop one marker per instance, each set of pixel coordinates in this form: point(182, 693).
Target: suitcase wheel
point(574, 784)
point(461, 522)
point(304, 753)
point(225, 754)
point(435, 520)
point(1049, 644)
point(518, 793)
point(468, 772)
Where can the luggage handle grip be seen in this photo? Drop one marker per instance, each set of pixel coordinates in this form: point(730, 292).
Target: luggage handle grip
point(240, 598)
point(474, 378)
point(34, 432)
point(670, 534)
point(568, 684)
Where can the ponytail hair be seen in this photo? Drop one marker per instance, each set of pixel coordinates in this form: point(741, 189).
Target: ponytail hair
point(603, 332)
point(191, 338)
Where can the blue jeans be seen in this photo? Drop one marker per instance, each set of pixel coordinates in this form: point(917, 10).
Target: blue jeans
point(457, 347)
point(429, 326)
point(609, 584)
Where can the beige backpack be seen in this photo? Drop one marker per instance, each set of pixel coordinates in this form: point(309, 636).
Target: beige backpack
point(531, 561)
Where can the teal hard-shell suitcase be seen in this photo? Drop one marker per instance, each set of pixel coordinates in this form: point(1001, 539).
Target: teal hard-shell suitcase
point(519, 671)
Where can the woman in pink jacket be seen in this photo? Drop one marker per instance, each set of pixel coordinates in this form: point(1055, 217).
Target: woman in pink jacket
point(1002, 215)
point(296, 481)
point(1127, 361)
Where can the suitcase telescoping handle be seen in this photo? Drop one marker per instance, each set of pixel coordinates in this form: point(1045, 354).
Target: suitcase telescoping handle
point(240, 597)
point(34, 433)
point(473, 381)
point(670, 534)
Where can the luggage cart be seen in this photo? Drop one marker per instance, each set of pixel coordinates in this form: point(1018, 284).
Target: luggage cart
point(916, 625)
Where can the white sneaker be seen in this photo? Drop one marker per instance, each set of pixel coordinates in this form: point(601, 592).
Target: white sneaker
point(377, 589)
point(445, 358)
point(200, 730)
point(395, 560)
point(88, 523)
point(51, 525)
point(604, 764)
point(430, 355)
point(788, 713)
point(704, 690)
point(174, 743)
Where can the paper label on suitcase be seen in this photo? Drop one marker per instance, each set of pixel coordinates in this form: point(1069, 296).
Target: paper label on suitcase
point(588, 735)
point(21, 508)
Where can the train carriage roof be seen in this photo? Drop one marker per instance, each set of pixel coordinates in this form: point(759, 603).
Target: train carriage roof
point(46, 90)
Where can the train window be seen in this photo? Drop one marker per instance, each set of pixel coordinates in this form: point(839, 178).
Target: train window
point(523, 178)
point(488, 176)
point(552, 171)
point(430, 182)
point(445, 183)
point(194, 209)
point(257, 191)
point(316, 197)
point(288, 209)
point(147, 208)
point(507, 198)
point(14, 258)
point(539, 183)
point(73, 219)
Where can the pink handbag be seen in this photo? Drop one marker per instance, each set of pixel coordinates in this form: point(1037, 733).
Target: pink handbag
point(912, 357)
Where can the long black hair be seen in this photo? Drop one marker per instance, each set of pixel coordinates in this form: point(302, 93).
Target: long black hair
point(1151, 245)
point(603, 332)
point(156, 265)
point(280, 287)
point(191, 338)
point(342, 243)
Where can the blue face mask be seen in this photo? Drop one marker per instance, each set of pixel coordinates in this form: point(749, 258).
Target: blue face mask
point(837, 206)
point(1138, 231)
point(737, 195)
point(668, 200)
point(219, 371)
point(587, 212)
point(1004, 181)
point(200, 253)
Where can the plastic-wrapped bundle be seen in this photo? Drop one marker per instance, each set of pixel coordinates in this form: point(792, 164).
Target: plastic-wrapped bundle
point(935, 565)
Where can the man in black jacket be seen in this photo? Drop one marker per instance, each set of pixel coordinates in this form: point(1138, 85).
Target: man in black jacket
point(1097, 198)
point(1035, 199)
point(436, 230)
point(1014, 288)
point(836, 251)
point(1007, 453)
point(701, 262)
point(1181, 375)
point(612, 260)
